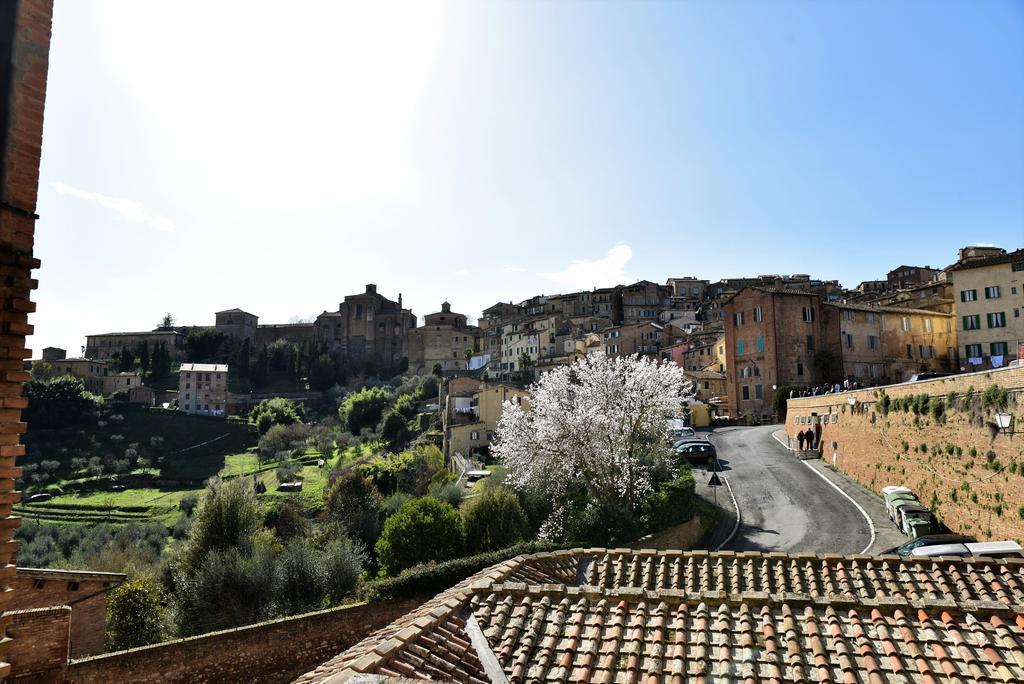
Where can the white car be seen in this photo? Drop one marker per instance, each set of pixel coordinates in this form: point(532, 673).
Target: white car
point(997, 549)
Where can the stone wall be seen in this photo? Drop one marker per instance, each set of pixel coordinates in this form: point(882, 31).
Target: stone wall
point(274, 651)
point(42, 638)
point(971, 475)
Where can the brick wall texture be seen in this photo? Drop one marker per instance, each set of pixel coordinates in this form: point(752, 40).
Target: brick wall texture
point(275, 651)
point(25, 38)
point(42, 638)
point(88, 606)
point(969, 474)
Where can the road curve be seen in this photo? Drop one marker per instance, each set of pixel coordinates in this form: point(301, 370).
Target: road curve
point(783, 505)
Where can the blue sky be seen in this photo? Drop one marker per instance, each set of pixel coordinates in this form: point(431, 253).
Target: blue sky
point(204, 155)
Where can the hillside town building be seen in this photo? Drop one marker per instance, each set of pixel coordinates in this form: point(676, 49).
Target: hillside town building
point(367, 326)
point(203, 388)
point(442, 342)
point(789, 338)
point(107, 345)
point(988, 295)
point(470, 411)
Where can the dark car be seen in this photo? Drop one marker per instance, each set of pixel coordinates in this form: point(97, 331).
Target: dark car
point(697, 451)
point(929, 375)
point(929, 540)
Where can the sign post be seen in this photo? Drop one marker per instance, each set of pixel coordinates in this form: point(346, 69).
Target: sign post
point(715, 482)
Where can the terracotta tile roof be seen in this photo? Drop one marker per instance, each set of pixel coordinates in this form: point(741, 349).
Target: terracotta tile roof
point(623, 616)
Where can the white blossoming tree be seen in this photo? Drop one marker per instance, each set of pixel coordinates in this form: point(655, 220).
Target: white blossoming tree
point(594, 429)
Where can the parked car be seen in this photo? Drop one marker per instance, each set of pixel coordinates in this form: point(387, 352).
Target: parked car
point(915, 520)
point(930, 375)
point(677, 434)
point(37, 498)
point(688, 440)
point(702, 451)
point(929, 540)
point(1016, 363)
point(999, 549)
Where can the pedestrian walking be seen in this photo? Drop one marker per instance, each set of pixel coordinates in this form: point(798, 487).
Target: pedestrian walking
point(800, 438)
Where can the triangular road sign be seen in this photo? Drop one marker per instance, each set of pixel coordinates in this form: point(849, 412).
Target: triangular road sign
point(715, 481)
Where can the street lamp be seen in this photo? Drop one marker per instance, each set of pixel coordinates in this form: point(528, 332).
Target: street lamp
point(1004, 421)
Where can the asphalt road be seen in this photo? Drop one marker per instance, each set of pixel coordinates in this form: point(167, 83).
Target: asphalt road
point(784, 505)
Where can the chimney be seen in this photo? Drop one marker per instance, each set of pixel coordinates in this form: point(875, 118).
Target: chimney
point(399, 300)
point(371, 288)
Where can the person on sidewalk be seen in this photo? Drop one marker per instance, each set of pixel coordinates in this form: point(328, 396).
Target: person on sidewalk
point(809, 438)
point(800, 438)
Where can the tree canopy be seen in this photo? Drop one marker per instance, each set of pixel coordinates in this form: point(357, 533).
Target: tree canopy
point(595, 432)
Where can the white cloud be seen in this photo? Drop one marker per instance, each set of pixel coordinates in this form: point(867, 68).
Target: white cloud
point(134, 211)
point(512, 269)
point(582, 275)
point(462, 272)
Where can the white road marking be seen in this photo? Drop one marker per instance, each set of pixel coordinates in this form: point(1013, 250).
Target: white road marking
point(871, 525)
point(736, 525)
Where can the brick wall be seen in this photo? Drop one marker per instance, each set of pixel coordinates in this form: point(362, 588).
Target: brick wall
point(42, 638)
point(87, 599)
point(275, 651)
point(970, 493)
point(25, 44)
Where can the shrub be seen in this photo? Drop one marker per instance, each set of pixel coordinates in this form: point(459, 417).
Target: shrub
point(287, 471)
point(298, 582)
point(427, 580)
point(341, 565)
point(282, 439)
point(602, 523)
point(394, 429)
point(884, 403)
point(420, 531)
point(135, 615)
point(355, 504)
point(276, 411)
point(363, 409)
point(391, 504)
point(227, 516)
point(494, 520)
point(994, 397)
point(58, 403)
point(188, 503)
point(939, 410)
point(447, 491)
point(673, 503)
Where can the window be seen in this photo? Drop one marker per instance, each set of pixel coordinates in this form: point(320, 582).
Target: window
point(849, 340)
point(992, 292)
point(872, 342)
point(474, 435)
point(73, 586)
point(757, 313)
point(847, 314)
point(905, 323)
point(972, 351)
point(870, 317)
point(1019, 266)
point(910, 351)
point(746, 393)
point(758, 392)
point(810, 343)
point(739, 347)
point(927, 325)
point(972, 322)
point(737, 319)
point(968, 295)
point(808, 314)
point(760, 343)
point(997, 320)
point(998, 348)
point(799, 368)
point(490, 436)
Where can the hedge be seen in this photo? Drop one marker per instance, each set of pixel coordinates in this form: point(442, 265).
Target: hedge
point(433, 578)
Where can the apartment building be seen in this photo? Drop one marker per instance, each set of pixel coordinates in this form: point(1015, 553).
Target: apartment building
point(471, 409)
point(644, 301)
point(783, 337)
point(203, 388)
point(98, 377)
point(636, 338)
point(909, 276)
point(239, 324)
point(988, 295)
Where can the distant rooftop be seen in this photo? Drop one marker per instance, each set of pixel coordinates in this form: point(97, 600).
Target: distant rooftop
point(204, 367)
